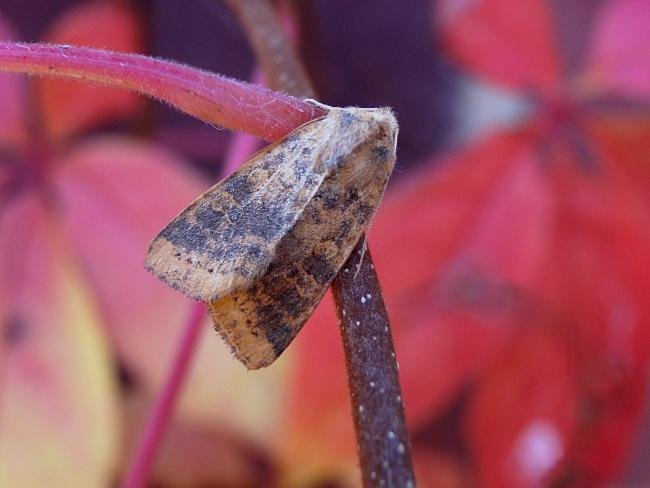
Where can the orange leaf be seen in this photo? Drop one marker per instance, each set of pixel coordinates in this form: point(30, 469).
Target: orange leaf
point(58, 402)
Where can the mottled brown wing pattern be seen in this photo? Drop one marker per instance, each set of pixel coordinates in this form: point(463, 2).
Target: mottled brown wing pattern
point(300, 207)
point(226, 238)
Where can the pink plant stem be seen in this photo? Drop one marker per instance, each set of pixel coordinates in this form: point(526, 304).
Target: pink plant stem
point(242, 145)
point(215, 99)
point(140, 469)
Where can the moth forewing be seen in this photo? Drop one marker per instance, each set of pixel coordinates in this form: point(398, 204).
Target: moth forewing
point(300, 206)
point(225, 239)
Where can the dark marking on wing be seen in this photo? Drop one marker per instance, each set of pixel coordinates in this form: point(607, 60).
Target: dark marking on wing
point(240, 188)
point(280, 337)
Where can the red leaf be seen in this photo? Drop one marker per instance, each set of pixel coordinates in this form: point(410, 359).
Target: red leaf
point(508, 41)
point(68, 107)
point(601, 271)
point(524, 412)
point(434, 468)
point(602, 276)
point(609, 425)
point(622, 140)
point(483, 224)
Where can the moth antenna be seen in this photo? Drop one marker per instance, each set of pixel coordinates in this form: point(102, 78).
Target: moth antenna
point(319, 104)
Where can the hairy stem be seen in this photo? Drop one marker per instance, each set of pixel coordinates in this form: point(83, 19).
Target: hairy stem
point(215, 99)
point(378, 411)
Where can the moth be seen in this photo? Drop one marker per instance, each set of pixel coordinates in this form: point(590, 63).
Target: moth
point(262, 246)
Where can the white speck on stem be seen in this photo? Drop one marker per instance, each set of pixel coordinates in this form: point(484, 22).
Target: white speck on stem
point(409, 484)
point(391, 434)
point(386, 329)
point(372, 384)
point(368, 296)
point(358, 323)
point(363, 299)
point(399, 398)
point(343, 313)
point(361, 408)
point(401, 448)
point(373, 475)
point(346, 270)
point(374, 338)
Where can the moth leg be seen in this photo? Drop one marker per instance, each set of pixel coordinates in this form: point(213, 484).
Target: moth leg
point(364, 248)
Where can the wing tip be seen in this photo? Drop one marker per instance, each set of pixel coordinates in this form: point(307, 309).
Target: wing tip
point(248, 344)
point(168, 264)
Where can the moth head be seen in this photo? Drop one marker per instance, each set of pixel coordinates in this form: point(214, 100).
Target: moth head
point(365, 124)
point(367, 141)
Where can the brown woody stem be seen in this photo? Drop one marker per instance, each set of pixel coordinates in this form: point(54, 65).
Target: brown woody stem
point(375, 391)
point(377, 407)
point(273, 51)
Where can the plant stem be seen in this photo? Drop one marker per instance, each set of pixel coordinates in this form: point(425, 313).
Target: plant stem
point(213, 98)
point(378, 411)
point(274, 53)
point(373, 379)
point(138, 473)
point(242, 145)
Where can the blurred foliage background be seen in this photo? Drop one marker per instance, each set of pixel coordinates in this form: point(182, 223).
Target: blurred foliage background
point(512, 247)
